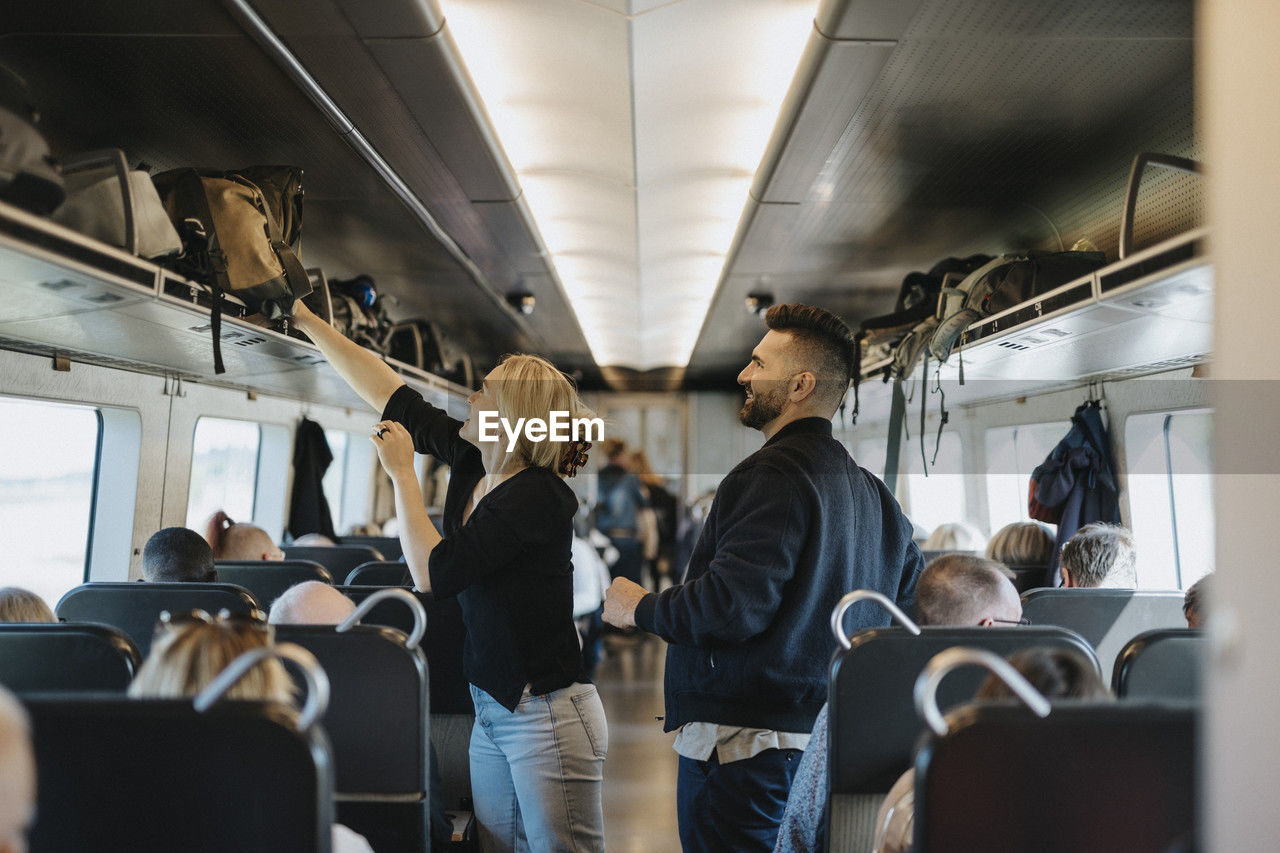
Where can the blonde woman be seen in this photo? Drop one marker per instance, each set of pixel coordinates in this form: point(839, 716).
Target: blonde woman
point(20, 605)
point(540, 737)
point(189, 652)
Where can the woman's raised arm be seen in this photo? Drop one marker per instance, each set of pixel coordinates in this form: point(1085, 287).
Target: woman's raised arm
point(368, 375)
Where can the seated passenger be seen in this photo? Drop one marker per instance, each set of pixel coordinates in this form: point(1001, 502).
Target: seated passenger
point(311, 603)
point(314, 540)
point(177, 554)
point(954, 589)
point(1193, 603)
point(1099, 555)
point(192, 649)
point(20, 605)
point(17, 775)
point(1054, 673)
point(232, 540)
point(1022, 545)
point(954, 536)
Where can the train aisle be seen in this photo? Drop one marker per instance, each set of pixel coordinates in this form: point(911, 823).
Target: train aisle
point(640, 771)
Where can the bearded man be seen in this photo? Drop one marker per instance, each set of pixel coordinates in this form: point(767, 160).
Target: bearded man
point(793, 527)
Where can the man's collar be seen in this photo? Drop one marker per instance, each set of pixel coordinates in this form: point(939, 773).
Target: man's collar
point(812, 424)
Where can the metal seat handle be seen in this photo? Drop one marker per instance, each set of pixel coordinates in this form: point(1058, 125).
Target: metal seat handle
point(837, 615)
point(317, 680)
point(419, 613)
point(926, 690)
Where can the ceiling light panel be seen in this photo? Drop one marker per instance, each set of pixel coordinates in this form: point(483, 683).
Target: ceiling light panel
point(634, 129)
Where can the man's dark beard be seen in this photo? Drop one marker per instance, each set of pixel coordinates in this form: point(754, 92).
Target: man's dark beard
point(764, 406)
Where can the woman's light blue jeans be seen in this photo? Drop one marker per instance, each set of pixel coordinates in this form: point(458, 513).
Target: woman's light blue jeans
point(537, 772)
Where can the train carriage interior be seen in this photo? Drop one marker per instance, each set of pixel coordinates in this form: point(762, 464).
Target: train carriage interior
point(625, 188)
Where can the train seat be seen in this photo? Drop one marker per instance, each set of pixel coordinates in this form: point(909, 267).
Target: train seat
point(338, 559)
point(873, 724)
point(135, 608)
point(1100, 777)
point(152, 776)
point(1106, 618)
point(1162, 664)
point(1028, 577)
point(267, 579)
point(380, 573)
point(39, 657)
point(377, 723)
point(388, 546)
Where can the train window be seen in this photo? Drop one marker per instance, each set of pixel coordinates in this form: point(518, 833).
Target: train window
point(1012, 454)
point(348, 483)
point(47, 479)
point(224, 470)
point(1170, 490)
point(939, 497)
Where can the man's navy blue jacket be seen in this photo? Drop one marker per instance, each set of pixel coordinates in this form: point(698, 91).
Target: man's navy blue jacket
point(793, 527)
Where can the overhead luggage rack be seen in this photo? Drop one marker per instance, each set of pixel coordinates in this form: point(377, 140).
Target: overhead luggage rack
point(1150, 312)
point(73, 296)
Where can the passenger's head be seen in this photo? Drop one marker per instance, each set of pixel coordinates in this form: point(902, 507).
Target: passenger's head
point(177, 554)
point(1023, 543)
point(17, 775)
point(1099, 555)
point(311, 603)
point(191, 650)
point(954, 536)
point(638, 461)
point(531, 388)
point(800, 368)
point(615, 450)
point(961, 589)
point(20, 605)
point(314, 540)
point(1194, 602)
point(1054, 673)
point(230, 540)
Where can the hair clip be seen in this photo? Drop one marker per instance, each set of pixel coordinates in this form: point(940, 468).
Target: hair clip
point(575, 457)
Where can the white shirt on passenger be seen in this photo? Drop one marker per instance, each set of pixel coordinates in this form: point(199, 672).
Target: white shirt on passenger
point(346, 840)
point(698, 741)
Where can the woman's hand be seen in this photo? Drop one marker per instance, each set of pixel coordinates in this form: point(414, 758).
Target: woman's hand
point(395, 448)
point(303, 317)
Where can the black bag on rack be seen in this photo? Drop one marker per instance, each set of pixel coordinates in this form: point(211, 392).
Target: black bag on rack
point(29, 176)
point(237, 229)
point(359, 314)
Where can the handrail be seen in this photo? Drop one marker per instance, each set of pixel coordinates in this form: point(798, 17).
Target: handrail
point(419, 613)
point(926, 689)
point(837, 615)
point(317, 680)
point(1140, 162)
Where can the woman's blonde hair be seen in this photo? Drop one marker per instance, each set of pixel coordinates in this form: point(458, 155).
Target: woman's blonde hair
point(532, 387)
point(188, 655)
point(20, 605)
point(1023, 543)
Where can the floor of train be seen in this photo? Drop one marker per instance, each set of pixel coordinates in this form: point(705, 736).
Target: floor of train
point(640, 770)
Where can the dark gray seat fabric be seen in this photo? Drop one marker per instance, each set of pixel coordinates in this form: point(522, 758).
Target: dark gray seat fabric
point(1162, 664)
point(1106, 618)
point(380, 573)
point(338, 559)
point(873, 722)
point(388, 546)
point(267, 579)
point(377, 723)
point(39, 657)
point(1099, 777)
point(446, 635)
point(134, 608)
point(1028, 577)
point(153, 776)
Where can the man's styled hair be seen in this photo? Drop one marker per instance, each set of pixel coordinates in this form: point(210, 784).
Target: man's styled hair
point(177, 554)
point(824, 347)
point(1055, 673)
point(960, 589)
point(21, 605)
point(1194, 600)
point(311, 603)
point(1023, 543)
point(1101, 555)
